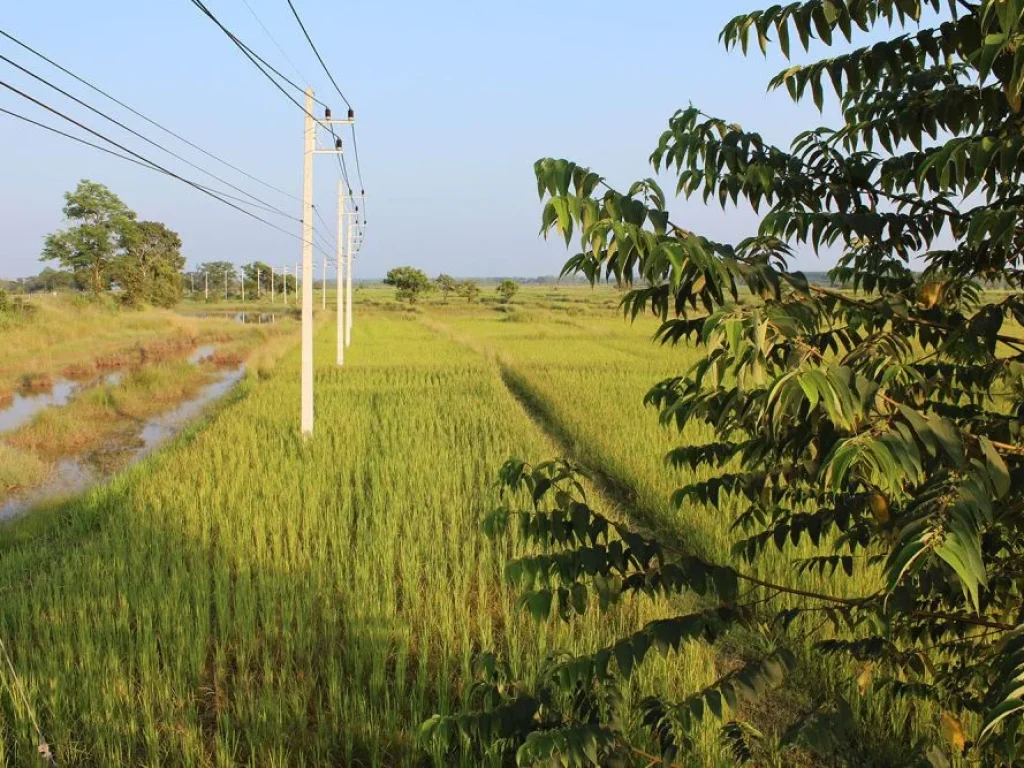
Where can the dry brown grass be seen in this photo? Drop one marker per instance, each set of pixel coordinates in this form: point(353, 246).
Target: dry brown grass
point(35, 383)
point(79, 371)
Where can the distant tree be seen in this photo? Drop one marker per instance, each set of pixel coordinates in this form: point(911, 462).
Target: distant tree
point(90, 247)
point(410, 283)
point(49, 280)
point(468, 290)
point(507, 289)
point(446, 284)
point(256, 273)
point(217, 272)
point(149, 269)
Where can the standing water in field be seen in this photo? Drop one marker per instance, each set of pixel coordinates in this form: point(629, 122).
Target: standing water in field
point(72, 476)
point(24, 406)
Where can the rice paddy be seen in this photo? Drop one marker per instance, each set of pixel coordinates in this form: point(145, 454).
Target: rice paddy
point(243, 597)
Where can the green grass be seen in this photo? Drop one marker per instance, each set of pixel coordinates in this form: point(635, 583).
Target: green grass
point(247, 598)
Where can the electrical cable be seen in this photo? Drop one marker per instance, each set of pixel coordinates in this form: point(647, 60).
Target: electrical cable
point(355, 144)
point(258, 61)
point(149, 163)
point(120, 156)
point(149, 120)
point(148, 140)
point(312, 45)
point(273, 39)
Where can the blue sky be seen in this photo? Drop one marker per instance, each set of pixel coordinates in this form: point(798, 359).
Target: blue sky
point(455, 100)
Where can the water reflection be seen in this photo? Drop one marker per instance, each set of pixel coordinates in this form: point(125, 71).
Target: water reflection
point(73, 476)
point(24, 406)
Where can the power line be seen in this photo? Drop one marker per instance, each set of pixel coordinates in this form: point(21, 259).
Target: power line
point(149, 120)
point(144, 160)
point(312, 45)
point(273, 39)
point(355, 144)
point(258, 61)
point(121, 156)
point(359, 169)
point(148, 140)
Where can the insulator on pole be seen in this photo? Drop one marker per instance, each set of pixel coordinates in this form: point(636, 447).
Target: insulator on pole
point(337, 143)
point(351, 114)
point(327, 113)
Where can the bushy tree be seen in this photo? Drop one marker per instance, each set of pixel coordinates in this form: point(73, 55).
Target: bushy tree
point(94, 242)
point(257, 278)
point(446, 284)
point(410, 283)
point(507, 289)
point(219, 274)
point(49, 280)
point(468, 290)
point(150, 267)
point(877, 424)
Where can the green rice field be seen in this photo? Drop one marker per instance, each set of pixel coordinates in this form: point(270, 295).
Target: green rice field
point(243, 597)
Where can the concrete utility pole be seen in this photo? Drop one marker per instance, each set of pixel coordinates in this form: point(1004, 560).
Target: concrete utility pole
point(257, 285)
point(339, 286)
point(285, 271)
point(225, 286)
point(271, 285)
point(207, 276)
point(307, 267)
point(323, 284)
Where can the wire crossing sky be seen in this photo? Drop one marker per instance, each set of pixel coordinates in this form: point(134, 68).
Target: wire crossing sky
point(454, 103)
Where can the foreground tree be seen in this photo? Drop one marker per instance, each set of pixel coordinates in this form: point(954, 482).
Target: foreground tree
point(878, 424)
point(92, 244)
point(468, 290)
point(150, 267)
point(446, 284)
point(507, 289)
point(410, 283)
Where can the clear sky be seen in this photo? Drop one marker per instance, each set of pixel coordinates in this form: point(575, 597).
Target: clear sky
point(454, 100)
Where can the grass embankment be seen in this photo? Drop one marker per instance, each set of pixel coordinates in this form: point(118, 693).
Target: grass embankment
point(146, 351)
point(245, 597)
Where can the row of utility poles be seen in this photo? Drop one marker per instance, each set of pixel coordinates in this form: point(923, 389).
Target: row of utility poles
point(346, 245)
point(349, 240)
point(259, 283)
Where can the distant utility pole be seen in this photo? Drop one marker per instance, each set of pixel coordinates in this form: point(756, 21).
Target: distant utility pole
point(348, 279)
point(207, 276)
point(243, 287)
point(257, 285)
point(192, 282)
point(323, 284)
point(272, 288)
point(225, 285)
point(284, 269)
point(351, 254)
